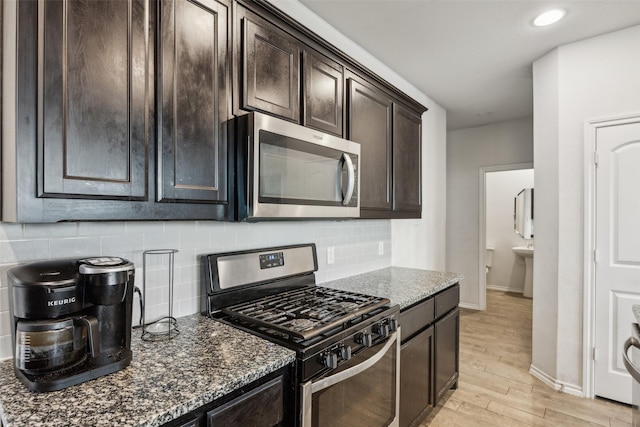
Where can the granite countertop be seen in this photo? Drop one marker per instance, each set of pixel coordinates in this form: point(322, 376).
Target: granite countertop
point(165, 380)
point(206, 361)
point(403, 286)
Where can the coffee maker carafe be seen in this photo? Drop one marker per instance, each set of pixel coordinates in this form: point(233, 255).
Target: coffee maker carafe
point(71, 320)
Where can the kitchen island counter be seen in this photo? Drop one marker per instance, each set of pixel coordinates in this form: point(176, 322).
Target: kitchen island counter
point(165, 380)
point(403, 286)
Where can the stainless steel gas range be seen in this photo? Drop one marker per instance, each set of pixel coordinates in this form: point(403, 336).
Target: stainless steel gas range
point(347, 344)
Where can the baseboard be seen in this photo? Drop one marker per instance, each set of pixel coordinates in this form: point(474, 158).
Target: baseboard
point(504, 289)
point(555, 384)
point(469, 306)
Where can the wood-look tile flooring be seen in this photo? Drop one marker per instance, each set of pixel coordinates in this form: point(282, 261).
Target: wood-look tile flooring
point(495, 387)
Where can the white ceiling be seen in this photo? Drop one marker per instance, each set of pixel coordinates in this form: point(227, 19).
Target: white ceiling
point(473, 57)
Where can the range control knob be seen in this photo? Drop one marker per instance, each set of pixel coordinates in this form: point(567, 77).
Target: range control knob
point(344, 352)
point(365, 339)
point(330, 360)
point(381, 329)
point(393, 325)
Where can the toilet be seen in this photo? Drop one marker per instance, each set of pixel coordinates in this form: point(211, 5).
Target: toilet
point(488, 258)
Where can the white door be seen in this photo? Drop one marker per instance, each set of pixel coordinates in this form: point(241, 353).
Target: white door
point(617, 269)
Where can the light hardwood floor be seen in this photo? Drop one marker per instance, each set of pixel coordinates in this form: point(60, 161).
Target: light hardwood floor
point(495, 387)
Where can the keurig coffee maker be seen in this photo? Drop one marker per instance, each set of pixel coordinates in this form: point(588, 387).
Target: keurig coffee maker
point(71, 320)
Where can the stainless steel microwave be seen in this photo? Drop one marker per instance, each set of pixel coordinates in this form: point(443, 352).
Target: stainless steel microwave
point(288, 171)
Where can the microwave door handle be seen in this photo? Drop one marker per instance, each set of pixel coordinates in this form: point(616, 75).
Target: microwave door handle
point(351, 179)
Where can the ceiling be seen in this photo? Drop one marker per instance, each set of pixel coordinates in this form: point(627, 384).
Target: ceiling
point(472, 57)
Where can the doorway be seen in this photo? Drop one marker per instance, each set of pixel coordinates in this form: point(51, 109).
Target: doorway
point(502, 207)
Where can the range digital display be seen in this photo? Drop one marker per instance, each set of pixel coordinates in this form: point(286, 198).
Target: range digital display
point(275, 259)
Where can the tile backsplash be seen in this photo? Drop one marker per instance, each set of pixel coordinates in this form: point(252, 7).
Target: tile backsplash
point(356, 246)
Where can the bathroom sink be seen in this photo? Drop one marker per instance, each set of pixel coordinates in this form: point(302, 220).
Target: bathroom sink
point(526, 253)
point(523, 251)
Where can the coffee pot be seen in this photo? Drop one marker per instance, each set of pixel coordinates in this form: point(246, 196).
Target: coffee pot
point(71, 320)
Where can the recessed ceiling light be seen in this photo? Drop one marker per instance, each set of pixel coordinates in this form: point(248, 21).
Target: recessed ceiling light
point(549, 17)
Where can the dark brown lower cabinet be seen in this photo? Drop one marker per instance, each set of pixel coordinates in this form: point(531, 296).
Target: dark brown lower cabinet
point(416, 370)
point(267, 402)
point(429, 357)
point(446, 353)
point(261, 407)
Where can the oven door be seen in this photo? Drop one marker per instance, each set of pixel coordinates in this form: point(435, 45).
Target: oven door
point(363, 392)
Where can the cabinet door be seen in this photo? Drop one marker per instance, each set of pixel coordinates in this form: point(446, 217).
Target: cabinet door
point(407, 188)
point(261, 407)
point(92, 93)
point(370, 112)
point(192, 101)
point(416, 363)
point(447, 353)
point(323, 93)
point(270, 64)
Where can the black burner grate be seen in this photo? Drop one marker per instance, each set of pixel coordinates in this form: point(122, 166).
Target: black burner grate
point(306, 312)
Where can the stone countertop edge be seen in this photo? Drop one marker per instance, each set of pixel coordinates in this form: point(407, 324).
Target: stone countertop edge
point(403, 286)
point(165, 380)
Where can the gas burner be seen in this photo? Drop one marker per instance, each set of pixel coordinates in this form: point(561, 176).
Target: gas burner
point(301, 324)
point(306, 312)
point(347, 306)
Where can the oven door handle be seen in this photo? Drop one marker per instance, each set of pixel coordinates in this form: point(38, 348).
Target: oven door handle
point(354, 370)
point(630, 342)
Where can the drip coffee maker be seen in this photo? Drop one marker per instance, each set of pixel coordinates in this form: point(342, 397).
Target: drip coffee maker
point(71, 320)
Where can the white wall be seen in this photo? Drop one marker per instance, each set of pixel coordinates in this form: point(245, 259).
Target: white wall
point(508, 270)
point(468, 150)
point(591, 79)
point(420, 243)
point(356, 242)
point(416, 243)
point(545, 268)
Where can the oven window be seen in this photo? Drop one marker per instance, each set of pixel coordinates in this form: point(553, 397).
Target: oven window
point(367, 399)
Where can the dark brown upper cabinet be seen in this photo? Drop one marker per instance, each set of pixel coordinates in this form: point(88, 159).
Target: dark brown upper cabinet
point(84, 141)
point(92, 92)
point(370, 113)
point(323, 93)
point(269, 63)
point(192, 101)
point(407, 188)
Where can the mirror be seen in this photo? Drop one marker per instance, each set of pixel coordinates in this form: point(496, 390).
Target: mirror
point(523, 213)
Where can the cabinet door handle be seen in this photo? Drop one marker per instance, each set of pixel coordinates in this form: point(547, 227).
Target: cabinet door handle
point(351, 179)
point(631, 342)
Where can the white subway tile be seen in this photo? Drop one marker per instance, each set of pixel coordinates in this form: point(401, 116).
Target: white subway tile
point(116, 245)
point(144, 227)
point(24, 250)
point(11, 231)
point(180, 226)
point(65, 229)
point(75, 247)
point(100, 228)
point(5, 323)
point(355, 242)
point(194, 240)
point(5, 347)
point(4, 299)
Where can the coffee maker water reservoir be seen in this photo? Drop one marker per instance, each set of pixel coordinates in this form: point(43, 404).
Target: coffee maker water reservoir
point(71, 320)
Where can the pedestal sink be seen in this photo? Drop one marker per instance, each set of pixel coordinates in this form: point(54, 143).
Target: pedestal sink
point(527, 254)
